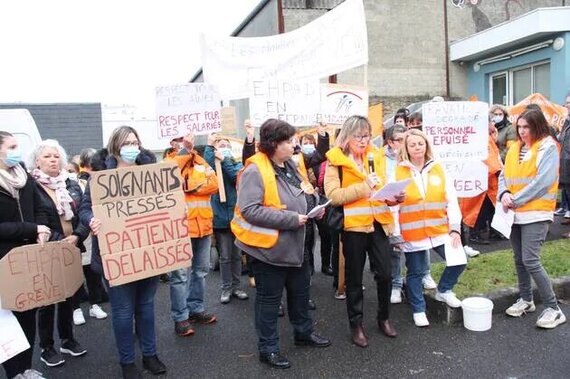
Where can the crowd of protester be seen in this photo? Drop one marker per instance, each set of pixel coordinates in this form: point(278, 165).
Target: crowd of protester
point(263, 216)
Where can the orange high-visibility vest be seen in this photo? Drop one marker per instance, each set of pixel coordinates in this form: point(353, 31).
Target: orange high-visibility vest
point(422, 218)
point(519, 174)
point(361, 212)
point(253, 235)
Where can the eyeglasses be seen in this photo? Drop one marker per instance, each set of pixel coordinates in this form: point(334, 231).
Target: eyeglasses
point(130, 143)
point(360, 138)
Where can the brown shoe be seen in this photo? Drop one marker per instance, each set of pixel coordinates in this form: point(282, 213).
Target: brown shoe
point(358, 336)
point(387, 328)
point(183, 329)
point(202, 318)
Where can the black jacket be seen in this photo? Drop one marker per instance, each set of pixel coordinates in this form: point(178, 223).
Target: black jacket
point(19, 219)
point(102, 160)
point(54, 223)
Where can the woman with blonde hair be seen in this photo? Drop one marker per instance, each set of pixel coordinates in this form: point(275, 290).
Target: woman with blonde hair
point(427, 219)
point(356, 169)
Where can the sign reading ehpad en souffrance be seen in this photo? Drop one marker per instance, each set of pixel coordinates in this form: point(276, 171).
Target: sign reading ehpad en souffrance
point(187, 108)
point(144, 221)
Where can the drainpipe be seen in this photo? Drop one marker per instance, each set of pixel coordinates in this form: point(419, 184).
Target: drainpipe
point(446, 38)
point(280, 20)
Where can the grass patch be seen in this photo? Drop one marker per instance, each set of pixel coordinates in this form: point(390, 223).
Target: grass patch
point(493, 271)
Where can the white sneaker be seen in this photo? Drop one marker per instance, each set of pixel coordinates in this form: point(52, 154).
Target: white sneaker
point(32, 374)
point(448, 298)
point(420, 319)
point(78, 318)
point(96, 312)
point(339, 295)
point(396, 297)
point(471, 252)
point(520, 307)
point(550, 318)
point(567, 214)
point(428, 282)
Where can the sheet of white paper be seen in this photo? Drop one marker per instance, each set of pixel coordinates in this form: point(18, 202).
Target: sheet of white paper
point(12, 338)
point(454, 256)
point(390, 190)
point(503, 221)
point(315, 211)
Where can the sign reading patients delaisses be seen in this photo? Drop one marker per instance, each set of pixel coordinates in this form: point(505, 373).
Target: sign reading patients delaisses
point(187, 108)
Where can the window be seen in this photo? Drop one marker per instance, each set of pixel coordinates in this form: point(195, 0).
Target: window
point(510, 87)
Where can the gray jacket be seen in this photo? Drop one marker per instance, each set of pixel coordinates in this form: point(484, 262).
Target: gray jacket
point(564, 139)
point(288, 251)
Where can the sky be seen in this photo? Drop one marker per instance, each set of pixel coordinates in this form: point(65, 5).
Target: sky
point(112, 52)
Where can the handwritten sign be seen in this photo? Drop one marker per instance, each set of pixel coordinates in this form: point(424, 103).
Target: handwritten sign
point(185, 108)
point(32, 276)
point(470, 178)
point(339, 102)
point(457, 130)
point(296, 102)
point(12, 338)
point(229, 121)
point(335, 42)
point(145, 230)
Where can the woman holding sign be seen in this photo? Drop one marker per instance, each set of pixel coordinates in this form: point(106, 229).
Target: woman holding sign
point(356, 169)
point(61, 197)
point(269, 224)
point(529, 185)
point(134, 300)
point(22, 221)
point(429, 218)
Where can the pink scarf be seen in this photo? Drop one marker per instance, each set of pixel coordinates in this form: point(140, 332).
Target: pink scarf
point(57, 184)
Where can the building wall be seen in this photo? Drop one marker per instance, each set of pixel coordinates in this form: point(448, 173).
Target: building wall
point(75, 126)
point(407, 44)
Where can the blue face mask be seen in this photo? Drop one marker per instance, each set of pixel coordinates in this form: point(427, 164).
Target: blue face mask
point(226, 152)
point(13, 157)
point(308, 148)
point(130, 153)
point(497, 119)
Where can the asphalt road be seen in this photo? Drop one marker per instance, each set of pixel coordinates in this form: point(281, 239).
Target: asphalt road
point(513, 348)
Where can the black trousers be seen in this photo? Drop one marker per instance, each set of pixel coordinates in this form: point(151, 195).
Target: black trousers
point(326, 242)
point(335, 242)
point(270, 281)
point(23, 361)
point(95, 290)
point(310, 244)
point(46, 316)
point(485, 216)
point(356, 245)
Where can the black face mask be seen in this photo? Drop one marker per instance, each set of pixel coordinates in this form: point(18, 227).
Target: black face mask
point(297, 149)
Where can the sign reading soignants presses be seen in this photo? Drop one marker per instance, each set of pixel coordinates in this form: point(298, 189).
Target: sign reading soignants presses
point(144, 229)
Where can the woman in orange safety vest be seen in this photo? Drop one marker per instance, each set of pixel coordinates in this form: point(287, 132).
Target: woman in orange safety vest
point(428, 218)
point(529, 186)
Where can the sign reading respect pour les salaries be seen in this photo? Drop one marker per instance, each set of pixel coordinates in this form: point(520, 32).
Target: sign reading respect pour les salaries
point(144, 229)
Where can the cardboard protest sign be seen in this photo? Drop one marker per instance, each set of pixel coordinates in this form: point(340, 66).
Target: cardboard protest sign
point(144, 217)
point(12, 338)
point(457, 130)
point(470, 178)
point(229, 120)
point(296, 102)
point(335, 42)
point(555, 114)
point(187, 108)
point(32, 276)
point(339, 102)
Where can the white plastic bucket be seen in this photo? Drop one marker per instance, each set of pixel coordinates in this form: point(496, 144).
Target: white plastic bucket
point(477, 313)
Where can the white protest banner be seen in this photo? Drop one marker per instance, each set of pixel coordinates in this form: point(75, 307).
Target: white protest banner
point(12, 338)
point(334, 42)
point(339, 102)
point(457, 130)
point(185, 108)
point(144, 228)
point(296, 102)
point(470, 178)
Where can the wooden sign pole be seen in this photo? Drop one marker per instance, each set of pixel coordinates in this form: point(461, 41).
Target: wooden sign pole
point(221, 188)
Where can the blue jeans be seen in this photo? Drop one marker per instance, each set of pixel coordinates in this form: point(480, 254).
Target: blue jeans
point(270, 281)
point(416, 262)
point(187, 295)
point(128, 301)
point(230, 259)
point(397, 280)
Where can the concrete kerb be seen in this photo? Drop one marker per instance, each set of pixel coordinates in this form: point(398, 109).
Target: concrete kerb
point(502, 299)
